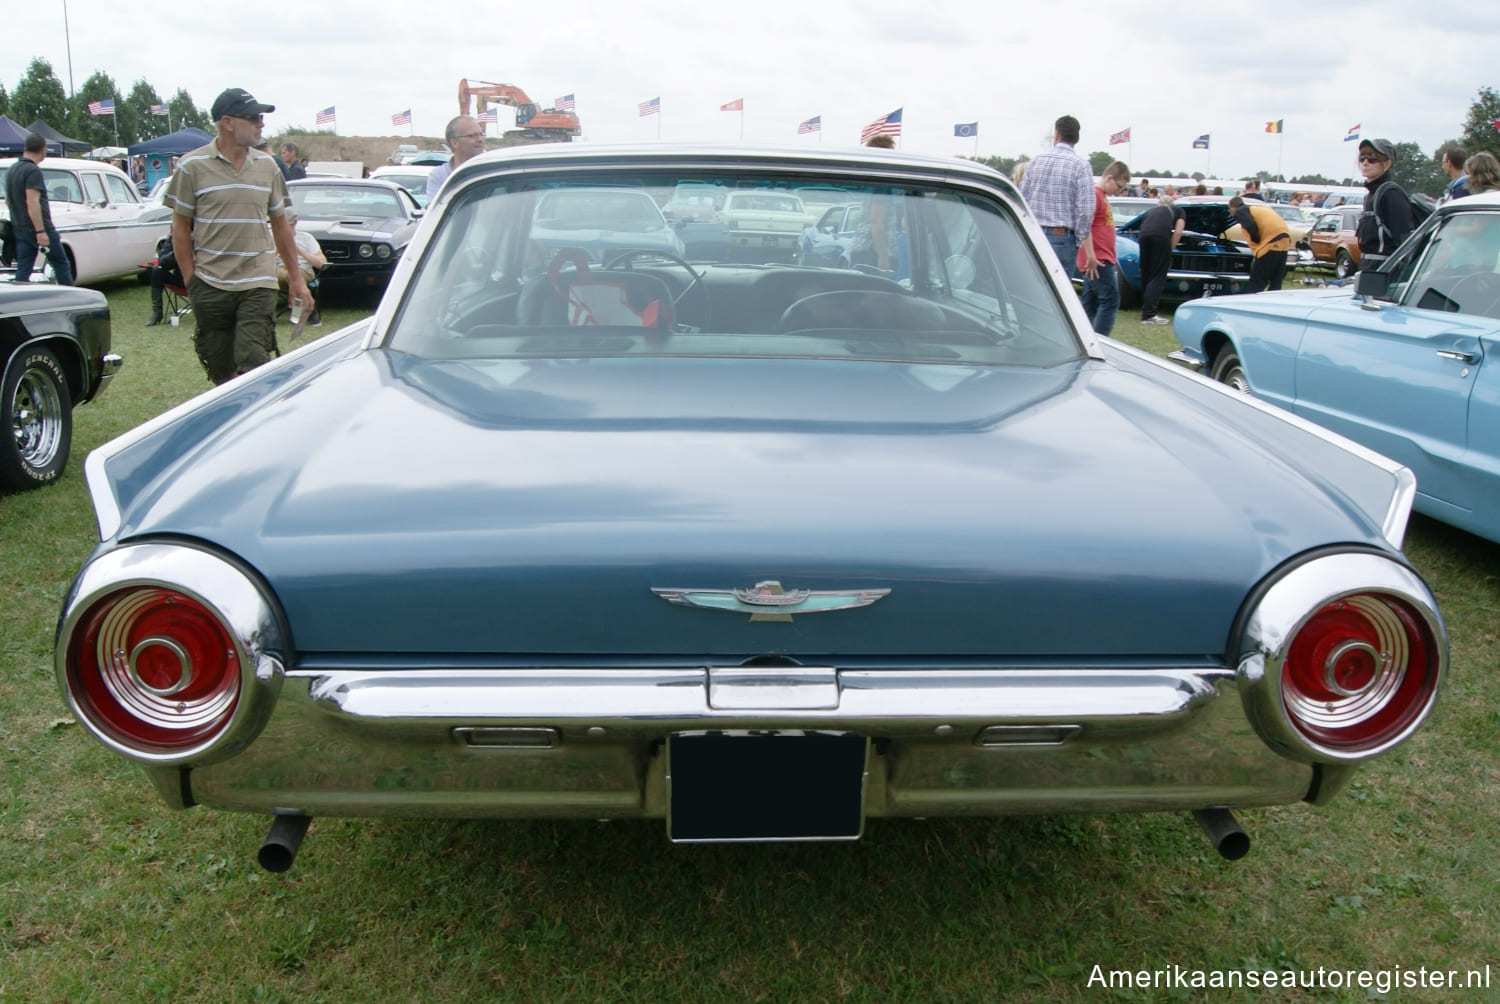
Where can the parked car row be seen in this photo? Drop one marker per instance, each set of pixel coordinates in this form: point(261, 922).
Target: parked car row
point(1406, 361)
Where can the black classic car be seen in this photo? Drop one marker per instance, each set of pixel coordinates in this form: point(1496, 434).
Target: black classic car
point(54, 351)
point(1204, 263)
point(362, 225)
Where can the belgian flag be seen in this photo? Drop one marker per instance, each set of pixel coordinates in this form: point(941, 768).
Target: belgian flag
point(1274, 126)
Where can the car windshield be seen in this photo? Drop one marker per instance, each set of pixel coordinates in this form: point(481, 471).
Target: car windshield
point(344, 202)
point(527, 267)
point(416, 184)
point(1458, 270)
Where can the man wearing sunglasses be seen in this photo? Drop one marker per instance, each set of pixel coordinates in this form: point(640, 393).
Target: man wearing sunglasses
point(1387, 218)
point(228, 227)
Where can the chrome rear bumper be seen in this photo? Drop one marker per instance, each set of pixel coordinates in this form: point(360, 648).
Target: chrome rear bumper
point(591, 742)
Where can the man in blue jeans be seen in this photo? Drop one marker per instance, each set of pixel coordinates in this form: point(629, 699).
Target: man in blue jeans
point(1059, 187)
point(31, 215)
point(1096, 254)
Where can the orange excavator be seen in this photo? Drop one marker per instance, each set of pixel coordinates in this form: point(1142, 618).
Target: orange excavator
point(546, 124)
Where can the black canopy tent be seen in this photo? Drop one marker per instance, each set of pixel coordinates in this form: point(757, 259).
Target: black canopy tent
point(13, 140)
point(53, 136)
point(173, 144)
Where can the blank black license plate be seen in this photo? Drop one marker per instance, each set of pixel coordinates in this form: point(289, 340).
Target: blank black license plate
point(753, 785)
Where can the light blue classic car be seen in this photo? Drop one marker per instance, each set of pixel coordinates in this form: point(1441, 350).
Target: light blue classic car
point(757, 549)
point(1405, 361)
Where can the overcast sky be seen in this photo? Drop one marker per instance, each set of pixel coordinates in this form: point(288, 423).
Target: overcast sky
point(1167, 72)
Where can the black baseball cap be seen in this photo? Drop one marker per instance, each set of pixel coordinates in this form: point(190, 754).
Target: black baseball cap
point(237, 101)
point(1381, 147)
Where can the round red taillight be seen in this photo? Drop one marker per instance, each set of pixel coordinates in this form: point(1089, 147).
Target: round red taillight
point(155, 669)
point(1360, 673)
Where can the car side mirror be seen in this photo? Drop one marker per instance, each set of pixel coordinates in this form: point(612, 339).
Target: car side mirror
point(1373, 283)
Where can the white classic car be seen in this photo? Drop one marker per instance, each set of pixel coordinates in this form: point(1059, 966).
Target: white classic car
point(107, 230)
point(759, 221)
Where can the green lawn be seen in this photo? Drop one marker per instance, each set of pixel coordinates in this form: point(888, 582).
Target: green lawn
point(107, 896)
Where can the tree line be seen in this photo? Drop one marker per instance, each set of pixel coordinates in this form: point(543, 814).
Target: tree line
point(40, 95)
point(1415, 170)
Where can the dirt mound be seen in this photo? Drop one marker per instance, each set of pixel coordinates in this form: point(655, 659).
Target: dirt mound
point(371, 151)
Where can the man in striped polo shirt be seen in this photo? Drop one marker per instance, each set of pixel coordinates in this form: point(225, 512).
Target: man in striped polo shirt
point(228, 225)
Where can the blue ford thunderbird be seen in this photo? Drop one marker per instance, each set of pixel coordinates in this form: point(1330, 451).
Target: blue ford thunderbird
point(1405, 361)
point(758, 549)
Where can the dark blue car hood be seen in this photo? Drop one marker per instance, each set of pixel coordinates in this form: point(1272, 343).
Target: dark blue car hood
point(1201, 218)
point(520, 508)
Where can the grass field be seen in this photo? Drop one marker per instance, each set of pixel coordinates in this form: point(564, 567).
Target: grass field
point(107, 896)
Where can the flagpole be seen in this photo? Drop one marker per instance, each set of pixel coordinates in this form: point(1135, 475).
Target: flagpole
point(742, 121)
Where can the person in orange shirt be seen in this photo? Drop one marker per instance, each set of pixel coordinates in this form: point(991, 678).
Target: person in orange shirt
point(1269, 240)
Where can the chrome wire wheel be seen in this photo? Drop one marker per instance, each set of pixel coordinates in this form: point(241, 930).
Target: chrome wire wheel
point(41, 420)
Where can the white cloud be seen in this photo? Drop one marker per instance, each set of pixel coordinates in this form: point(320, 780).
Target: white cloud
point(1168, 75)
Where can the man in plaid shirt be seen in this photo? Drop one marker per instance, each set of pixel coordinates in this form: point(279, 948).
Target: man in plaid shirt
point(1059, 188)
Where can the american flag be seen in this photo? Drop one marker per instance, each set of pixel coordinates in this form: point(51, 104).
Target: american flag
point(652, 107)
point(814, 124)
point(737, 105)
point(324, 117)
point(401, 118)
point(105, 106)
point(492, 117)
point(564, 103)
point(1123, 136)
point(886, 125)
point(158, 109)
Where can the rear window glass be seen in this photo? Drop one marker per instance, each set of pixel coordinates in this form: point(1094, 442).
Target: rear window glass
point(528, 267)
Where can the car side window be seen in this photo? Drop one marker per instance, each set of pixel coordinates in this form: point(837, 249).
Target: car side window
point(94, 188)
point(62, 186)
point(1459, 271)
point(119, 192)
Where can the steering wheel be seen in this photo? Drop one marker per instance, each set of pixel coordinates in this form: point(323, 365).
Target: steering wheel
point(1477, 293)
point(623, 258)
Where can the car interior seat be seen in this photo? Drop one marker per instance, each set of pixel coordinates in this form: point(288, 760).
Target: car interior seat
point(863, 309)
point(581, 297)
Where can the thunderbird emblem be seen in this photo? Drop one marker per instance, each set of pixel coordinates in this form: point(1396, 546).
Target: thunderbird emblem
point(767, 601)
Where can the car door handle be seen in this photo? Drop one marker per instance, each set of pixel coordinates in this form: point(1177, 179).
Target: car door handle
point(1467, 358)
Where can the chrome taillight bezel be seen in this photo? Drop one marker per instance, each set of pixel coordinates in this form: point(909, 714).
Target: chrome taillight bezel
point(1287, 605)
point(241, 605)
